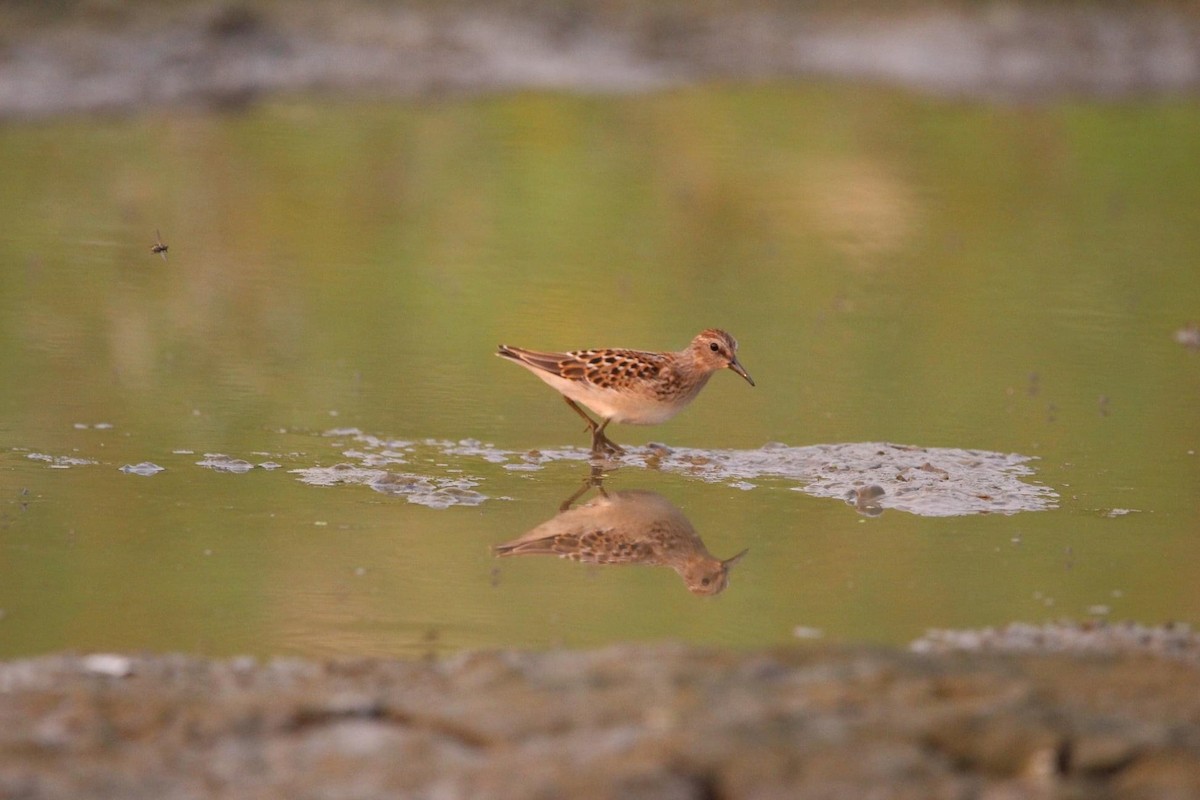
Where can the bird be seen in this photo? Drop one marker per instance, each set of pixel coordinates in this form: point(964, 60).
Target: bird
point(631, 386)
point(627, 527)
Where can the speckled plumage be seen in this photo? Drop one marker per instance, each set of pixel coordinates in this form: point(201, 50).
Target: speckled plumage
point(628, 527)
point(631, 386)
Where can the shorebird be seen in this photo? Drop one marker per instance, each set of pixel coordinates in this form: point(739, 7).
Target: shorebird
point(631, 386)
point(628, 527)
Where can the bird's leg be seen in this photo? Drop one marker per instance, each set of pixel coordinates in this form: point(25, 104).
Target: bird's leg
point(595, 479)
point(601, 444)
point(590, 422)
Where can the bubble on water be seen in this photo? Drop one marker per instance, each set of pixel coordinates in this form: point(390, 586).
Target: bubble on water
point(380, 459)
point(343, 432)
point(108, 664)
point(1189, 336)
point(146, 468)
point(223, 463)
point(269, 465)
point(338, 473)
point(400, 484)
point(433, 492)
point(60, 462)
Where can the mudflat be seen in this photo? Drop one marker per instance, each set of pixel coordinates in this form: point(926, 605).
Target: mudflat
point(659, 720)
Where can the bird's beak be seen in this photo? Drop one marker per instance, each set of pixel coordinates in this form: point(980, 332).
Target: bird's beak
point(737, 367)
point(729, 562)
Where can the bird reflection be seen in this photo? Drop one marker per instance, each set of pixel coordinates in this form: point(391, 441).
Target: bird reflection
point(626, 527)
point(865, 499)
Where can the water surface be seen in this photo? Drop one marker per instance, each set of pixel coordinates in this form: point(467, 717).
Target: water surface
point(953, 277)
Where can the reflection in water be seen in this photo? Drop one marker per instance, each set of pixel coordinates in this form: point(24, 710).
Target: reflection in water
point(865, 499)
point(627, 527)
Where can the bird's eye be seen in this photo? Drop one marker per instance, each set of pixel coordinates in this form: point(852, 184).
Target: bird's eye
point(716, 348)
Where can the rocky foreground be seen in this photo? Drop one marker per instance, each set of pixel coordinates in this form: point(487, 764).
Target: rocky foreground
point(660, 721)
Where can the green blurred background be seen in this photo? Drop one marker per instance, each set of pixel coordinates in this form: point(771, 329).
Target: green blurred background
point(896, 268)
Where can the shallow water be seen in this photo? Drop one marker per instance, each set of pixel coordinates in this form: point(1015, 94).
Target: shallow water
point(973, 308)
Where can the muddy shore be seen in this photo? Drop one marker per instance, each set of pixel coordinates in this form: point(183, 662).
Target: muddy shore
point(100, 56)
point(1007, 719)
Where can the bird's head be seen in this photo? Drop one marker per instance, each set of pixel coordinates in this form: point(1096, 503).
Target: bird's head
point(715, 349)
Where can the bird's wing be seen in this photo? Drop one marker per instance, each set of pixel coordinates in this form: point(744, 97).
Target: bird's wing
point(564, 365)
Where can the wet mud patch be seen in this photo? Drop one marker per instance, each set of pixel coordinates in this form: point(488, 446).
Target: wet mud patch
point(870, 476)
point(873, 476)
point(437, 473)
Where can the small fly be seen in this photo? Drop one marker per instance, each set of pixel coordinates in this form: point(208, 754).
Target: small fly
point(159, 246)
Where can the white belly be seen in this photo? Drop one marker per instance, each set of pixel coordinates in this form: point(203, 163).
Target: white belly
point(624, 407)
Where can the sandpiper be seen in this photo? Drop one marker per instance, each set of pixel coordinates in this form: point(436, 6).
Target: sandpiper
point(631, 386)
